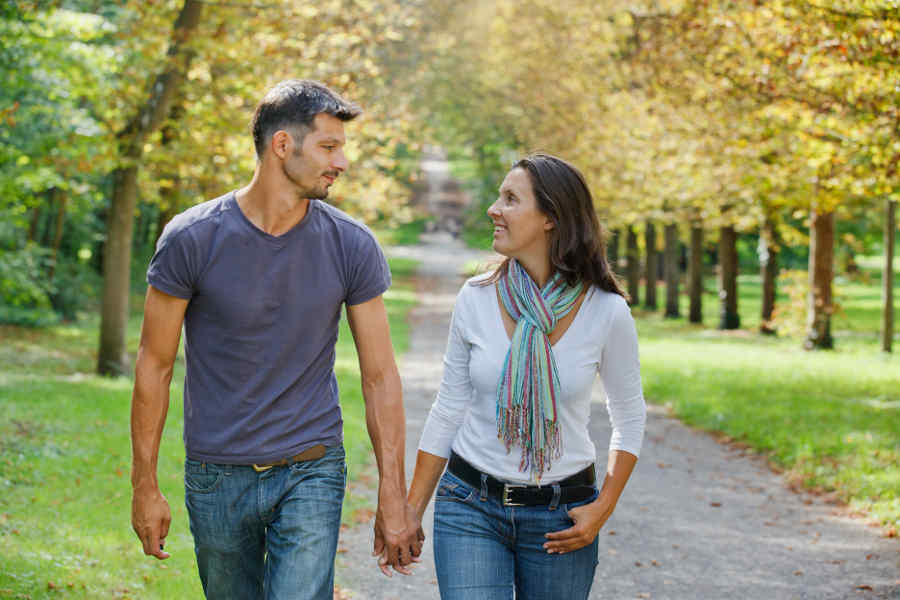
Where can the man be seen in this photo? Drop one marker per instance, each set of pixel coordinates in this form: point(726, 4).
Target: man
point(258, 278)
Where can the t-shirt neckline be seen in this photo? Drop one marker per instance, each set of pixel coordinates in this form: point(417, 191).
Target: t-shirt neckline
point(276, 240)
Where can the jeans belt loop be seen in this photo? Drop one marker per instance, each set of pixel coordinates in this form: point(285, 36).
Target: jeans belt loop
point(557, 492)
point(484, 487)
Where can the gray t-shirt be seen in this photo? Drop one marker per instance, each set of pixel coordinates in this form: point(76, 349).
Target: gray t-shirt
point(261, 325)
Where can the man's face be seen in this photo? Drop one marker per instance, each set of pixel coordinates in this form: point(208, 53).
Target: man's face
point(315, 164)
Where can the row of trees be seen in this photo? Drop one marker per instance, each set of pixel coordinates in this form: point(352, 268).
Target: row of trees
point(715, 117)
point(723, 117)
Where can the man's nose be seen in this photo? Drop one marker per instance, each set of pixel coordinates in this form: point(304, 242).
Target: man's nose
point(340, 161)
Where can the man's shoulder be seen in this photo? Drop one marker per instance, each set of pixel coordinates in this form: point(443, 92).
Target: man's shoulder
point(342, 222)
point(204, 215)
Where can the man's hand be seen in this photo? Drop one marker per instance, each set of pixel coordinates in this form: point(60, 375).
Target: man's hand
point(150, 519)
point(398, 538)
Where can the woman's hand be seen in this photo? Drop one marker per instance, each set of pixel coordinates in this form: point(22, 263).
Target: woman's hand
point(589, 520)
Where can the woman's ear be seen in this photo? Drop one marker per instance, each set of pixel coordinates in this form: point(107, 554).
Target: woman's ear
point(548, 225)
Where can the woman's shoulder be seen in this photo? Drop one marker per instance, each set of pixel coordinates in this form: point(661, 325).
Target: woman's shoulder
point(605, 302)
point(475, 292)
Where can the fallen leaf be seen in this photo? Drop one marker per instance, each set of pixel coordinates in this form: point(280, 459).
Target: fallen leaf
point(51, 585)
point(871, 556)
point(654, 563)
point(891, 533)
point(868, 588)
point(638, 564)
point(715, 504)
point(612, 533)
point(798, 573)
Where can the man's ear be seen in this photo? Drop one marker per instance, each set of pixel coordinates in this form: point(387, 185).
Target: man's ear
point(282, 144)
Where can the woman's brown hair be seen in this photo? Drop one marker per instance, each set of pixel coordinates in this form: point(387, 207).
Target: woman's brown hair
point(577, 241)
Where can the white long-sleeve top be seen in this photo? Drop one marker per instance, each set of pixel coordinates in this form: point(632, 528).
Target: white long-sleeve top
point(601, 339)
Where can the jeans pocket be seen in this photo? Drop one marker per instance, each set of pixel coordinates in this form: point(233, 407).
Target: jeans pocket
point(200, 478)
point(451, 488)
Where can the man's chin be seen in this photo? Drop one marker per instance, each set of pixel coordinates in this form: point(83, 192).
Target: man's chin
point(317, 194)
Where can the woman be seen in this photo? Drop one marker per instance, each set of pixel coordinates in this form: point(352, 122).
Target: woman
point(518, 510)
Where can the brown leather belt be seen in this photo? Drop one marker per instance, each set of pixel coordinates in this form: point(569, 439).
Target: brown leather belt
point(311, 453)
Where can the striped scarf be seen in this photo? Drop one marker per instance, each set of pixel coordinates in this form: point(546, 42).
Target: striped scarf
point(529, 384)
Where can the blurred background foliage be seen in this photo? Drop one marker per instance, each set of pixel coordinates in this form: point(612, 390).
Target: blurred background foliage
point(758, 130)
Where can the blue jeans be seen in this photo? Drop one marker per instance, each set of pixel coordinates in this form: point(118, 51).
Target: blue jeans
point(266, 535)
point(486, 551)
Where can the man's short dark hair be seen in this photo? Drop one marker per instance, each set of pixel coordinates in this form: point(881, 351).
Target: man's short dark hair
point(293, 104)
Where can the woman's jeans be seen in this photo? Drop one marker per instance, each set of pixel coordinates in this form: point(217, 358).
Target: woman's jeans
point(266, 535)
point(486, 551)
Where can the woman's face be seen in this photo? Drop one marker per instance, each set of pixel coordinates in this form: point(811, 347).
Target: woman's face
point(520, 229)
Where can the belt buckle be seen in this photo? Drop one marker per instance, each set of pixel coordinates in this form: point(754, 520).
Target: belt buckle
point(506, 488)
point(261, 469)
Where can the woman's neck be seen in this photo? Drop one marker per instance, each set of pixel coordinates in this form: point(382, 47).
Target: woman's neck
point(539, 269)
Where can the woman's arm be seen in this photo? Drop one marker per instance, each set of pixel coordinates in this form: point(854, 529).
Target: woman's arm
point(590, 518)
point(429, 468)
point(620, 371)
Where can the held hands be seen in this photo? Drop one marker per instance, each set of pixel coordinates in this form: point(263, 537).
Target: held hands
point(398, 537)
point(150, 519)
point(589, 520)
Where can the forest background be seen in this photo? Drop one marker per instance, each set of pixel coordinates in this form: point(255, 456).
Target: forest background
point(736, 150)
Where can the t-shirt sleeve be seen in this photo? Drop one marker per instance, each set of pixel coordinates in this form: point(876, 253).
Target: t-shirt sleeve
point(175, 264)
point(368, 272)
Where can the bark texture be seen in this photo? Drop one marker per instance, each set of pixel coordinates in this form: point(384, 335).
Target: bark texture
point(821, 275)
point(650, 271)
point(672, 270)
point(695, 275)
point(633, 268)
point(728, 271)
point(887, 276)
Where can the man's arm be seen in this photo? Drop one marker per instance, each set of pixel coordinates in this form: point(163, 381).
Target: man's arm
point(160, 334)
point(395, 524)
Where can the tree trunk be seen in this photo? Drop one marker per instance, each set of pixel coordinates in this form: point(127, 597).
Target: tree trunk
point(112, 358)
point(672, 271)
point(728, 271)
point(695, 275)
point(650, 271)
point(768, 264)
point(821, 276)
point(887, 275)
point(612, 251)
point(634, 265)
point(61, 201)
point(34, 224)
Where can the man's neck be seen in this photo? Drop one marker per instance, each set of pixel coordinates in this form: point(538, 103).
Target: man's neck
point(274, 210)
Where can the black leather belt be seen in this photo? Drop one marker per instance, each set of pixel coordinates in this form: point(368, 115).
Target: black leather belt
point(313, 453)
point(576, 488)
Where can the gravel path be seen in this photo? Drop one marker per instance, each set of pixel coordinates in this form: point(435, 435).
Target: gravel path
point(699, 519)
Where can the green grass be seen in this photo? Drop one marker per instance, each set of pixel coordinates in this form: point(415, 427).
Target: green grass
point(65, 459)
point(830, 419)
